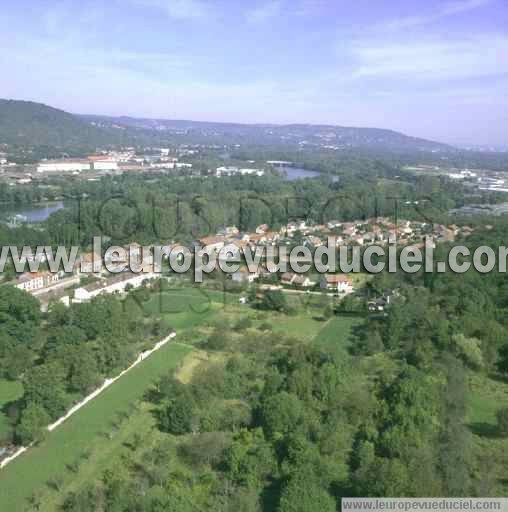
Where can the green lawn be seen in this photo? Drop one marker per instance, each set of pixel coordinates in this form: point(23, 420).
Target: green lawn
point(107, 453)
point(181, 308)
point(485, 397)
point(336, 333)
point(88, 429)
point(303, 325)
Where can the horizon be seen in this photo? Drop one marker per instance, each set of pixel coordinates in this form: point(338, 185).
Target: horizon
point(434, 70)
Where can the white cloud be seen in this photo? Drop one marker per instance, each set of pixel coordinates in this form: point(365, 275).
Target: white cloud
point(444, 11)
point(476, 56)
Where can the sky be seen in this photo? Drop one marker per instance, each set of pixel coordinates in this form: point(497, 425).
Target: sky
point(431, 68)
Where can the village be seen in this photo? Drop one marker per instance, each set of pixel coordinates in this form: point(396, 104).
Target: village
point(94, 274)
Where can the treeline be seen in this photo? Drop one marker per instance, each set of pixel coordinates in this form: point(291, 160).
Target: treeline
point(131, 208)
point(63, 355)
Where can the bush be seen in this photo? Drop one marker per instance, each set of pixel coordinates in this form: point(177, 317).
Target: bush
point(502, 421)
point(243, 323)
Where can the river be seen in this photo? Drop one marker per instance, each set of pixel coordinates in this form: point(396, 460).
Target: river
point(31, 213)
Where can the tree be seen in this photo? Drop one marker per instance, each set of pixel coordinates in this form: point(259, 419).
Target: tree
point(45, 386)
point(274, 300)
point(281, 413)
point(502, 363)
point(469, 350)
point(84, 375)
point(250, 459)
point(34, 419)
point(176, 418)
point(303, 493)
point(19, 305)
point(15, 358)
point(502, 421)
point(206, 448)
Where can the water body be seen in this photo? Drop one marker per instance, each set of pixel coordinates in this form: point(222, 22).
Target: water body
point(297, 173)
point(32, 213)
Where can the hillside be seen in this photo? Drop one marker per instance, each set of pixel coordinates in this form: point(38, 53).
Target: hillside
point(339, 136)
point(35, 124)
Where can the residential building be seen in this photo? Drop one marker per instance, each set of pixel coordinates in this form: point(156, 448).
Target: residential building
point(215, 243)
point(339, 283)
point(90, 263)
point(117, 284)
point(243, 275)
point(301, 280)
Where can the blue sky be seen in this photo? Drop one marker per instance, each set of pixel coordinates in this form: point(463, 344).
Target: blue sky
point(437, 69)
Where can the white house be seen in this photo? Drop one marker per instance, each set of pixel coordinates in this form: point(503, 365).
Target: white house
point(244, 276)
point(339, 283)
point(116, 284)
point(301, 280)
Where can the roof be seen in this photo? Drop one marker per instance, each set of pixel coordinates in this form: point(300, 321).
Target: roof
point(90, 257)
point(287, 276)
point(337, 278)
point(101, 158)
point(300, 279)
point(211, 240)
point(104, 283)
point(65, 161)
point(257, 237)
point(29, 276)
point(244, 269)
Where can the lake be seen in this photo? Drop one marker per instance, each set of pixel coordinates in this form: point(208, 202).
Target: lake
point(297, 173)
point(31, 213)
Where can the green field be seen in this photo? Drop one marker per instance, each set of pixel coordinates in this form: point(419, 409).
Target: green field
point(336, 334)
point(181, 308)
point(486, 396)
point(86, 430)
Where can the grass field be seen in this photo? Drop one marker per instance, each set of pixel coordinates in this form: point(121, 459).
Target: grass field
point(89, 429)
point(107, 452)
point(486, 396)
point(337, 332)
point(182, 308)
